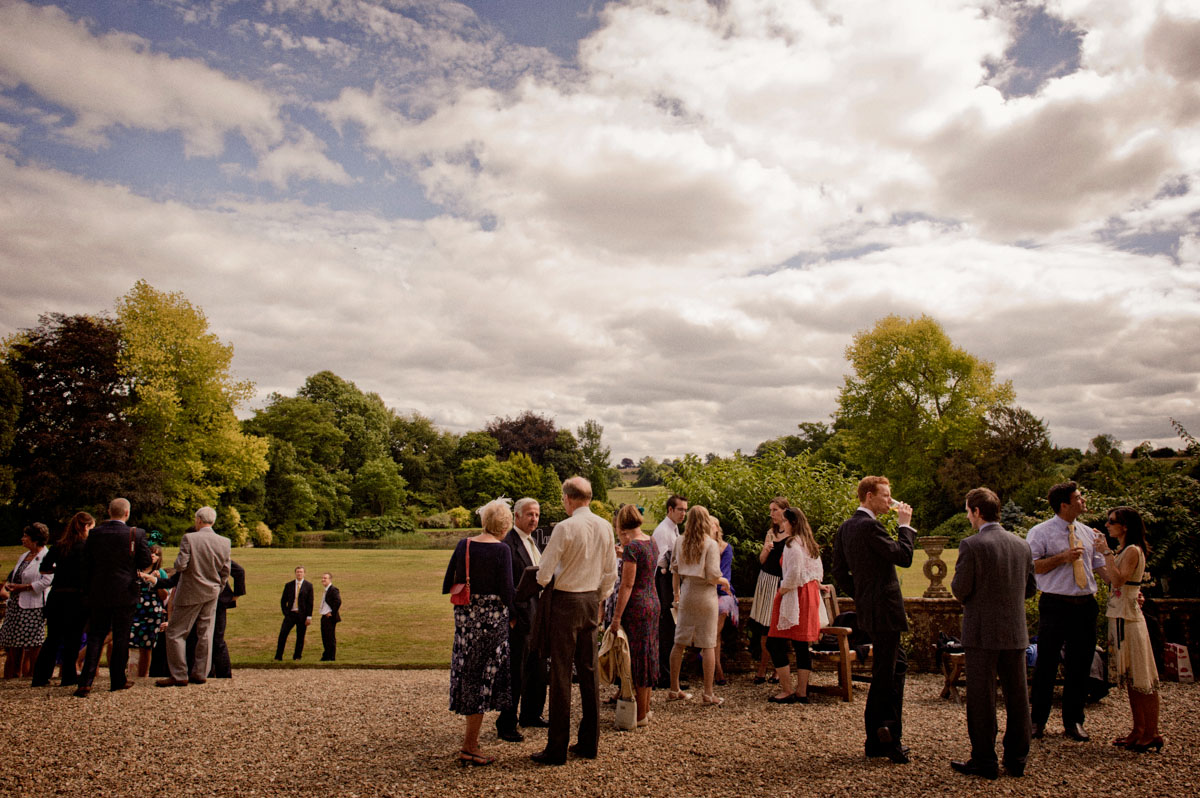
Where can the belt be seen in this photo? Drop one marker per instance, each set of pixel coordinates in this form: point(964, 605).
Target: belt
point(1088, 599)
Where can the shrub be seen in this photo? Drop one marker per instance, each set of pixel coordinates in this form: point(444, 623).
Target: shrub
point(437, 521)
point(956, 527)
point(229, 523)
point(336, 536)
point(601, 509)
point(376, 528)
point(461, 517)
point(261, 534)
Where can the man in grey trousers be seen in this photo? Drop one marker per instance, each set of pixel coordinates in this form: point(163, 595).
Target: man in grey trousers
point(992, 579)
point(203, 567)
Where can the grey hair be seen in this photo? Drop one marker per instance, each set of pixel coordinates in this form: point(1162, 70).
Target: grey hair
point(521, 504)
point(206, 516)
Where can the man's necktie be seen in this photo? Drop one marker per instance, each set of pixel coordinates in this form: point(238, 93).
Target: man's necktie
point(1080, 573)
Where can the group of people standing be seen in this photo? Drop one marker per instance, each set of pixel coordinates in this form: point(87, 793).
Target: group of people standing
point(530, 623)
point(296, 604)
point(106, 581)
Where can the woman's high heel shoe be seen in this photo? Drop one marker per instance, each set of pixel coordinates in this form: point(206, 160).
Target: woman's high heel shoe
point(1121, 742)
point(1140, 748)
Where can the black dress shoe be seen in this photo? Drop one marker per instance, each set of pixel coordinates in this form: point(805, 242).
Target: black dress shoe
point(1039, 731)
point(1075, 732)
point(510, 735)
point(1014, 769)
point(969, 768)
point(581, 752)
point(536, 723)
point(82, 691)
point(898, 754)
point(128, 685)
point(543, 758)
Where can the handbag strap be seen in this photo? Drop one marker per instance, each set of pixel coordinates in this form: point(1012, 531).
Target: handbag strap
point(468, 563)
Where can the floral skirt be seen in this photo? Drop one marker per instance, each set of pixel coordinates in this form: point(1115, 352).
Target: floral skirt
point(480, 676)
point(23, 628)
point(1130, 659)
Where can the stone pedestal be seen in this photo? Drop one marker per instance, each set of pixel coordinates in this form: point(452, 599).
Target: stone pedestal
point(935, 570)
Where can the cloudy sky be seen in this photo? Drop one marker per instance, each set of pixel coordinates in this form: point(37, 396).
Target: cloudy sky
point(667, 215)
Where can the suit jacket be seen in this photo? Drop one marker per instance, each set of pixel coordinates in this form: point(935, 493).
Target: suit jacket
point(333, 597)
point(228, 597)
point(111, 569)
point(306, 598)
point(202, 565)
point(522, 610)
point(864, 564)
point(992, 578)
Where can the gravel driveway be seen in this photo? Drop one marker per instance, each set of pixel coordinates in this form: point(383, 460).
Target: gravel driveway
point(388, 733)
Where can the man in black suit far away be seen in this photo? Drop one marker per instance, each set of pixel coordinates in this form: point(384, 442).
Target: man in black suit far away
point(297, 606)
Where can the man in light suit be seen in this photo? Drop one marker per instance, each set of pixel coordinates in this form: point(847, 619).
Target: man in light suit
point(297, 605)
point(993, 577)
point(331, 603)
point(112, 555)
point(203, 567)
point(864, 564)
point(528, 668)
point(579, 557)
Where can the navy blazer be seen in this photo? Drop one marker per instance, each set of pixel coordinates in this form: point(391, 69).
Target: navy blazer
point(112, 570)
point(306, 598)
point(522, 611)
point(864, 564)
point(992, 578)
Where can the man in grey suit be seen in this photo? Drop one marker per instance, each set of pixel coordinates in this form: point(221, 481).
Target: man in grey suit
point(993, 577)
point(203, 567)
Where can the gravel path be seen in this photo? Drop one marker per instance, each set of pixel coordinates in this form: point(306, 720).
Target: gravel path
point(350, 733)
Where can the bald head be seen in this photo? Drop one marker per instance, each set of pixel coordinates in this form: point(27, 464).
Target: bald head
point(118, 509)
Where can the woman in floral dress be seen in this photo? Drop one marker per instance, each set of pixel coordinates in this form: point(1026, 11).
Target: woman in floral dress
point(637, 609)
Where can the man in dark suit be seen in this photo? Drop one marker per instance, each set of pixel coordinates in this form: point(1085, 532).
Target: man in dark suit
point(297, 606)
point(993, 577)
point(528, 668)
point(864, 564)
point(331, 603)
point(113, 554)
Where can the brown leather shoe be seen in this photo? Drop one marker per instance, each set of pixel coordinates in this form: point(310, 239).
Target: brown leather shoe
point(170, 681)
point(82, 691)
point(197, 679)
point(125, 686)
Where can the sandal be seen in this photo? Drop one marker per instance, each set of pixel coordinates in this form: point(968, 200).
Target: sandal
point(465, 758)
point(678, 696)
point(712, 700)
point(643, 722)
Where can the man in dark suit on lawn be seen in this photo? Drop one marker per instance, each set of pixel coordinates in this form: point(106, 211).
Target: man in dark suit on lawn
point(864, 563)
point(529, 672)
point(331, 603)
point(297, 606)
point(113, 554)
point(992, 579)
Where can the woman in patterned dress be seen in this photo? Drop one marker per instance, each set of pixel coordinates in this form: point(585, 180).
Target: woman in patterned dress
point(637, 609)
point(150, 613)
point(24, 628)
point(764, 590)
point(1131, 660)
point(479, 664)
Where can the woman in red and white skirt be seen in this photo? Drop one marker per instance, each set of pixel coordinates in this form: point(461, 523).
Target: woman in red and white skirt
point(795, 614)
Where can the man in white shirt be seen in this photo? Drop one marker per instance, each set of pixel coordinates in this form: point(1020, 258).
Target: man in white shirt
point(665, 535)
point(579, 557)
point(528, 668)
point(331, 603)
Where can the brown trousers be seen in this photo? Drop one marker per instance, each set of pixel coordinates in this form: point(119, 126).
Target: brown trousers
point(573, 642)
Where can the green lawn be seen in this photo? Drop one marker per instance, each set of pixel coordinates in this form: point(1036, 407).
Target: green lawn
point(393, 610)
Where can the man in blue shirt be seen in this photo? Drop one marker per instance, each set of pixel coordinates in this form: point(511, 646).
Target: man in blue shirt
point(1065, 562)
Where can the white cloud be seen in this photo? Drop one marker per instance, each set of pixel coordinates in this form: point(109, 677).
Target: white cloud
point(115, 80)
point(303, 159)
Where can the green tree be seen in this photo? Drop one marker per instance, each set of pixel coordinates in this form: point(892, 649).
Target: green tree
point(378, 488)
point(564, 456)
point(363, 417)
point(738, 491)
point(425, 455)
point(185, 400)
point(472, 446)
point(914, 398)
point(529, 432)
point(596, 456)
point(10, 410)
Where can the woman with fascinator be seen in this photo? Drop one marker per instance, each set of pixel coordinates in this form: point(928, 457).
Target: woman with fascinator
point(150, 613)
point(479, 663)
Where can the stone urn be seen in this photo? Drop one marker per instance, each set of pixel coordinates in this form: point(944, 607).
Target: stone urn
point(935, 570)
